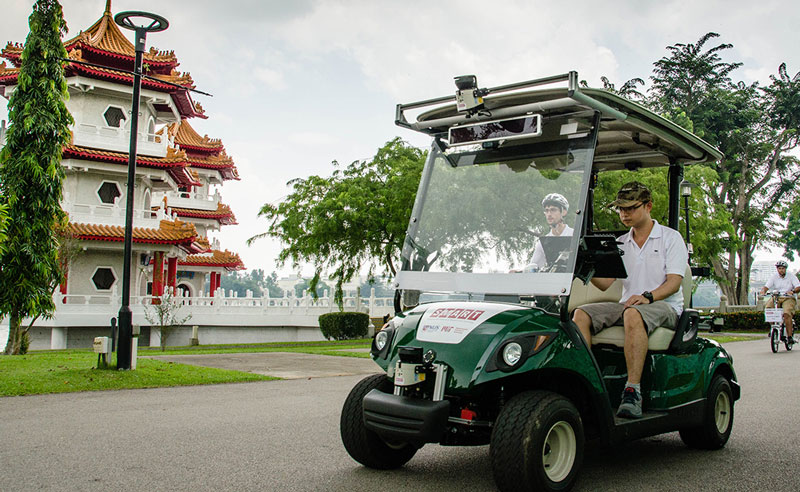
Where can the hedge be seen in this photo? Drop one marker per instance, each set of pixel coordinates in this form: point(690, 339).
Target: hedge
point(748, 320)
point(344, 326)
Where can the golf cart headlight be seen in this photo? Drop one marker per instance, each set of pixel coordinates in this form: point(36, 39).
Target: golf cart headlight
point(512, 353)
point(380, 339)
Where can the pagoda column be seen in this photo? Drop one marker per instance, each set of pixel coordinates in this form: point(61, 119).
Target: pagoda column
point(158, 276)
point(214, 283)
point(172, 272)
point(63, 285)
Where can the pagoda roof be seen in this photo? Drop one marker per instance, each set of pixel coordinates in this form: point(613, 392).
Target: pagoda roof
point(214, 258)
point(188, 139)
point(223, 214)
point(105, 37)
point(105, 44)
point(175, 162)
point(222, 163)
point(177, 232)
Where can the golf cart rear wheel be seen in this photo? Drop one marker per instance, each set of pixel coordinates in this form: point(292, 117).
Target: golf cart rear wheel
point(537, 443)
point(775, 341)
point(717, 418)
point(364, 445)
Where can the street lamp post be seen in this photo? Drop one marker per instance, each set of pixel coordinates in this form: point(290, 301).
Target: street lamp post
point(686, 192)
point(153, 23)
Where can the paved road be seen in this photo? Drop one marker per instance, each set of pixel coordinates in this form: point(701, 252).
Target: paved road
point(283, 435)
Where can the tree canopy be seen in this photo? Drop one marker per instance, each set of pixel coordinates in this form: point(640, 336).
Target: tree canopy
point(256, 281)
point(31, 175)
point(356, 218)
point(740, 201)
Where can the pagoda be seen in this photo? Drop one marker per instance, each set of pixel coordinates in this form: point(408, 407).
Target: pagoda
point(176, 202)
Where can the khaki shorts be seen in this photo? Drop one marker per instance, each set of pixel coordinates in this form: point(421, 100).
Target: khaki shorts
point(605, 314)
point(787, 303)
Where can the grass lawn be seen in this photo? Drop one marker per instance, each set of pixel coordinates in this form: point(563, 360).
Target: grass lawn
point(66, 371)
point(75, 370)
point(339, 348)
point(729, 338)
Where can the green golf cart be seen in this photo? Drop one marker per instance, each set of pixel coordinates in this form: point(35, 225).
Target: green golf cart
point(482, 349)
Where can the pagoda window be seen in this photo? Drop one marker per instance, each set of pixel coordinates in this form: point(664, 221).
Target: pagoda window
point(103, 278)
point(151, 130)
point(109, 192)
point(114, 116)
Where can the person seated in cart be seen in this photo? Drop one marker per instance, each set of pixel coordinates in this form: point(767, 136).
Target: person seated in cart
point(656, 259)
point(788, 286)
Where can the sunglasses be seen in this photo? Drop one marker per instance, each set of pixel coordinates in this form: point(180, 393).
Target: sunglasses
point(628, 210)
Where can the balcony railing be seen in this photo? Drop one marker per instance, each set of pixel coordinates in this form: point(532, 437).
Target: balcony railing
point(118, 140)
point(113, 215)
point(98, 309)
point(192, 200)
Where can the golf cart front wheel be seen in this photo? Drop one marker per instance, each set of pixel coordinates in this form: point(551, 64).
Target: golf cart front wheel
point(537, 443)
point(364, 445)
point(775, 341)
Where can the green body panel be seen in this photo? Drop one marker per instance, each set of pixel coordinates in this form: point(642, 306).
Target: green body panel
point(467, 360)
point(668, 380)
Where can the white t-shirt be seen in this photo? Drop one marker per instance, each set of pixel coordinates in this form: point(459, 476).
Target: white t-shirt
point(782, 284)
point(664, 252)
point(539, 258)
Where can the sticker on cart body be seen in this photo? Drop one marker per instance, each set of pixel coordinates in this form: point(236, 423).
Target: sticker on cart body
point(452, 322)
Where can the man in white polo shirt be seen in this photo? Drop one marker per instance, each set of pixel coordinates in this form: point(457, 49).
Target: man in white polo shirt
point(656, 260)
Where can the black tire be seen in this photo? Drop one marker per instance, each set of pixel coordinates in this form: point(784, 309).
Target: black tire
point(362, 444)
point(537, 443)
point(775, 341)
point(717, 418)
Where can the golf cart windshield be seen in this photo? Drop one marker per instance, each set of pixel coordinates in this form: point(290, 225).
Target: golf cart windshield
point(479, 222)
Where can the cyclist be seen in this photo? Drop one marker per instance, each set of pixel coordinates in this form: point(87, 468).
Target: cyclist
point(788, 286)
point(555, 208)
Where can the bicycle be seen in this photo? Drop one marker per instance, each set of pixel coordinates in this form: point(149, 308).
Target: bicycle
point(777, 331)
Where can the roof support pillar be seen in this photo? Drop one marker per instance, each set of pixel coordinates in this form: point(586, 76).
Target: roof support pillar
point(172, 272)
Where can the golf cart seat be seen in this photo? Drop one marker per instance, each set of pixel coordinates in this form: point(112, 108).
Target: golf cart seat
point(662, 339)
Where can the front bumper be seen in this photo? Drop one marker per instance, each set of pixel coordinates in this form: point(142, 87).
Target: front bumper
point(404, 418)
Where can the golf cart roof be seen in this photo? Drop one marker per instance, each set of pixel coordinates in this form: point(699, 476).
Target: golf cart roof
point(630, 135)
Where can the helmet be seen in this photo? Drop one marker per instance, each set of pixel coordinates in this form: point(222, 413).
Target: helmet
point(781, 263)
point(557, 200)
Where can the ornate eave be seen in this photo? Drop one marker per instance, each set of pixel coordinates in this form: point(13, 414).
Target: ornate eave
point(215, 259)
point(178, 233)
point(174, 163)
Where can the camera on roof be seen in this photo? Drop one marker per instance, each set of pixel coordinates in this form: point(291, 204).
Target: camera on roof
point(468, 96)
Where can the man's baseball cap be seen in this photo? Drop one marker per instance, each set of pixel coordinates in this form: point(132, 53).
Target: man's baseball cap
point(631, 194)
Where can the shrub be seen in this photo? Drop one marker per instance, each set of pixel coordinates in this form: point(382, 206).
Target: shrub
point(748, 320)
point(344, 326)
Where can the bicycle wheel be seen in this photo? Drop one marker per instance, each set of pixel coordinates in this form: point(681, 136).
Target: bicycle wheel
point(775, 340)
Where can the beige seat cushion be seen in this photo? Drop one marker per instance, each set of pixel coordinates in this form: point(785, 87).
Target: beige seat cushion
point(586, 294)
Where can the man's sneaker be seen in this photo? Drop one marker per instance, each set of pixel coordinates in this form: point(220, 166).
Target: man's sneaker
point(631, 406)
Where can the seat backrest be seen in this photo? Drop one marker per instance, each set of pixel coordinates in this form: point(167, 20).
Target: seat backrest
point(581, 293)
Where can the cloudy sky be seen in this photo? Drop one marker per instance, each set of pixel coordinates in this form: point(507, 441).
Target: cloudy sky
point(298, 84)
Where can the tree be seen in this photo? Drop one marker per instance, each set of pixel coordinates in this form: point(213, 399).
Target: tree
point(756, 128)
point(31, 175)
point(301, 288)
point(357, 217)
point(3, 225)
point(255, 281)
point(164, 314)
